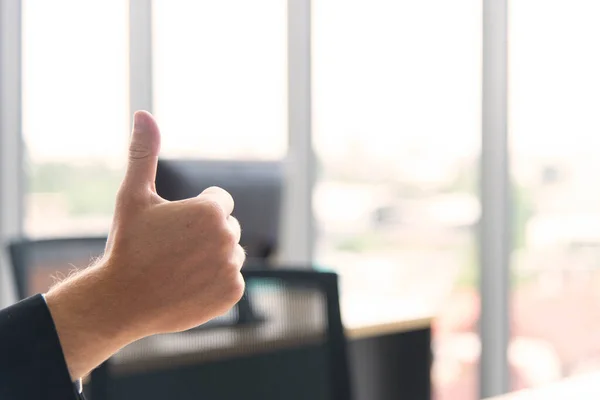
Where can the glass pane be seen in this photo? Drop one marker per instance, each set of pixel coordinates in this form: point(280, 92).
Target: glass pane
point(220, 78)
point(75, 113)
point(396, 129)
point(554, 125)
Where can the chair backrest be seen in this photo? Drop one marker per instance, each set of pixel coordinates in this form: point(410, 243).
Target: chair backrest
point(293, 347)
point(37, 264)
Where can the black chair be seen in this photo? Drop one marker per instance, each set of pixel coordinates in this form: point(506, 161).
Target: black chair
point(296, 349)
point(37, 264)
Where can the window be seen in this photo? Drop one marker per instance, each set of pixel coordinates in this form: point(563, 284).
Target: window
point(220, 81)
point(75, 113)
point(397, 133)
point(554, 102)
point(396, 130)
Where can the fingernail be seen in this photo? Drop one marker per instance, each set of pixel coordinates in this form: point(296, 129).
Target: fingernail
point(138, 120)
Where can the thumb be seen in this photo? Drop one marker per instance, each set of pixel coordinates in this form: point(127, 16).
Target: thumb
point(144, 147)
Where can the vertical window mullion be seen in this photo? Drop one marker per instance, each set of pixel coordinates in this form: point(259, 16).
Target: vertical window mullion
point(140, 55)
point(12, 178)
point(298, 220)
point(495, 200)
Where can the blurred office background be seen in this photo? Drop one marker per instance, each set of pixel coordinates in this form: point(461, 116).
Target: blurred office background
point(393, 93)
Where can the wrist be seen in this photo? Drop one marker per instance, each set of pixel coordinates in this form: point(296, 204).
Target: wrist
point(88, 319)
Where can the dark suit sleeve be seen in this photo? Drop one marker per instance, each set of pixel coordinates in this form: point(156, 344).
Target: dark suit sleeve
point(32, 365)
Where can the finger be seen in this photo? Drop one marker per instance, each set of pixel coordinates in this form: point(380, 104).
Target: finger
point(235, 227)
point(220, 196)
point(144, 146)
point(239, 256)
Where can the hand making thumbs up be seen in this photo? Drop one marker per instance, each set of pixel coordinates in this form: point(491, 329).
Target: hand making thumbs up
point(168, 266)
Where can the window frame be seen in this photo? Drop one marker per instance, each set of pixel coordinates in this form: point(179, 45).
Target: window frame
point(12, 177)
point(495, 235)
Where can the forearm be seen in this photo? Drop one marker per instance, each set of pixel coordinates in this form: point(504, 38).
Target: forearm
point(87, 318)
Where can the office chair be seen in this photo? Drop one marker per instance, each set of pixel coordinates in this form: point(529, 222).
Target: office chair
point(37, 264)
point(296, 349)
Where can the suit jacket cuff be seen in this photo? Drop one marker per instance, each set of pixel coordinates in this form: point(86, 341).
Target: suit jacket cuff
point(32, 365)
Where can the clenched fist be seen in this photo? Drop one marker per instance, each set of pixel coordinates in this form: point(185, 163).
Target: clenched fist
point(177, 263)
point(168, 266)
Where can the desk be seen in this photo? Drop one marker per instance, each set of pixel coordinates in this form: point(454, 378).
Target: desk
point(389, 349)
point(584, 387)
point(389, 352)
point(364, 318)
